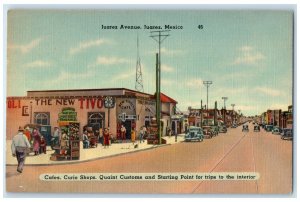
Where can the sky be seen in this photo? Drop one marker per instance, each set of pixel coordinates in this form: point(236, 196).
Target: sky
point(248, 55)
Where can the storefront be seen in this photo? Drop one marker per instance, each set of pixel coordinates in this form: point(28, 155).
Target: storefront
point(96, 108)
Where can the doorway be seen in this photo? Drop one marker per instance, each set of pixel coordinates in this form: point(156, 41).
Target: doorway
point(127, 125)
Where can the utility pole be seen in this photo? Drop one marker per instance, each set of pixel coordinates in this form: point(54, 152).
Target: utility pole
point(232, 107)
point(232, 112)
point(159, 37)
point(207, 83)
point(224, 111)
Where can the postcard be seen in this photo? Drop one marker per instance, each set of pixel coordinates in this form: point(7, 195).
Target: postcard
point(150, 101)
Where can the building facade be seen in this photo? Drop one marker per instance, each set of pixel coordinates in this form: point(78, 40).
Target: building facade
point(96, 108)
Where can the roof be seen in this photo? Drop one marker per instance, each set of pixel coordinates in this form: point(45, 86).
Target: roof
point(88, 90)
point(165, 98)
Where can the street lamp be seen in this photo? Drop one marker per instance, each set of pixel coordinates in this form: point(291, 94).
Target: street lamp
point(224, 98)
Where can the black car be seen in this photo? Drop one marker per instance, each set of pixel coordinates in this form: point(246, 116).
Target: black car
point(256, 128)
point(287, 134)
point(245, 128)
point(269, 128)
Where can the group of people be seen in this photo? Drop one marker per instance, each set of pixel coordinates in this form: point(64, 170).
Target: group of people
point(102, 136)
point(142, 133)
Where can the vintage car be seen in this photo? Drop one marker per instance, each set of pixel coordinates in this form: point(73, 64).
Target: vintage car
point(287, 134)
point(194, 133)
point(245, 128)
point(256, 128)
point(269, 128)
point(207, 131)
point(233, 125)
point(222, 129)
point(276, 131)
point(215, 130)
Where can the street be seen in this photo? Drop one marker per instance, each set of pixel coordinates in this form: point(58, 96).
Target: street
point(234, 151)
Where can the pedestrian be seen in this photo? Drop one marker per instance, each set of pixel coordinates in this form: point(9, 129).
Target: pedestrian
point(85, 140)
point(43, 145)
point(36, 141)
point(141, 134)
point(101, 136)
point(19, 147)
point(133, 135)
point(106, 138)
point(27, 133)
point(123, 133)
point(169, 132)
point(55, 137)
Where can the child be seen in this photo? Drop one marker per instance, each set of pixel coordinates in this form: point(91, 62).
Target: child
point(43, 145)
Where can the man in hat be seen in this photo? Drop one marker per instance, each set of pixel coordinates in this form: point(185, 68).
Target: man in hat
point(19, 148)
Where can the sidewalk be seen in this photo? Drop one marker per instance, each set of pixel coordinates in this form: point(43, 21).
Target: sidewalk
point(88, 154)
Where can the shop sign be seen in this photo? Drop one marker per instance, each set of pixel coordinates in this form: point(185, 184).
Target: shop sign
point(91, 103)
point(87, 103)
point(49, 102)
point(126, 105)
point(12, 104)
point(123, 117)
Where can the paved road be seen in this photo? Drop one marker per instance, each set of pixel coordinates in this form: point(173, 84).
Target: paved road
point(235, 151)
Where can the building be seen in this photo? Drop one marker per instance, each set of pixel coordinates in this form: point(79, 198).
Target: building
point(96, 108)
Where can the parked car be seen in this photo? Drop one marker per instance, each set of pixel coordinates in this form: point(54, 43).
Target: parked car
point(215, 130)
point(269, 128)
point(194, 133)
point(256, 128)
point(276, 131)
point(233, 126)
point(207, 131)
point(222, 129)
point(245, 128)
point(287, 134)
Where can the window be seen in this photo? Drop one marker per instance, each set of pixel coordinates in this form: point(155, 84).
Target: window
point(96, 120)
point(42, 118)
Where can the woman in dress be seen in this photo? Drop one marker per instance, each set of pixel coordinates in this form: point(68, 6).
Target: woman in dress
point(106, 138)
point(36, 141)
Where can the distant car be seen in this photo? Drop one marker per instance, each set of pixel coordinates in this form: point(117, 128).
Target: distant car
point(287, 134)
point(245, 128)
point(233, 126)
point(207, 131)
point(256, 128)
point(276, 131)
point(269, 128)
point(194, 133)
point(222, 129)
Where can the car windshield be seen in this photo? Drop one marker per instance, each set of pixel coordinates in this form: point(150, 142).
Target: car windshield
point(194, 130)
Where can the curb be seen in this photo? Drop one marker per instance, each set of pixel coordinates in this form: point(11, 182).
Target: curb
point(87, 160)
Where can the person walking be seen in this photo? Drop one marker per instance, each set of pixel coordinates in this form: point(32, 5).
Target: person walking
point(36, 141)
point(19, 147)
point(106, 138)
